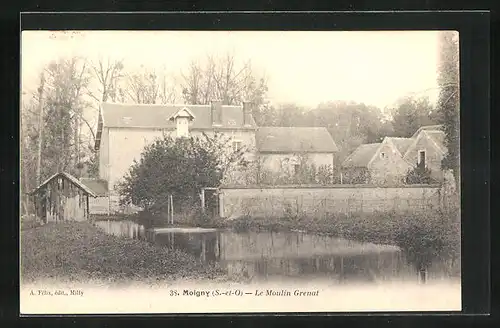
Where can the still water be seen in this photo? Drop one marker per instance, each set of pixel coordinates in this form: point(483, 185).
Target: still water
point(258, 255)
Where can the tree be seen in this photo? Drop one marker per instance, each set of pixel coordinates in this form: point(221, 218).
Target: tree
point(411, 114)
point(221, 78)
point(350, 124)
point(149, 87)
point(108, 74)
point(66, 79)
point(180, 167)
point(448, 103)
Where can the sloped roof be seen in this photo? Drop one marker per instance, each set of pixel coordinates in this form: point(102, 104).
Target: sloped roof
point(99, 187)
point(69, 177)
point(426, 128)
point(294, 139)
point(401, 144)
point(361, 156)
point(437, 137)
point(157, 116)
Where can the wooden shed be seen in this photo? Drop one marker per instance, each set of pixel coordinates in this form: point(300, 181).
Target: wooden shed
point(62, 197)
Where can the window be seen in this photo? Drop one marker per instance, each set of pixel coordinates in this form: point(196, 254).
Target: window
point(421, 158)
point(237, 145)
point(383, 155)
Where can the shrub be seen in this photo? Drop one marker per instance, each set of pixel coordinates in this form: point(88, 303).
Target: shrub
point(179, 167)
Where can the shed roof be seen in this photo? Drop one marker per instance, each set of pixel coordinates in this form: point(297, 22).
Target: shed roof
point(295, 139)
point(361, 156)
point(158, 116)
point(98, 186)
point(69, 177)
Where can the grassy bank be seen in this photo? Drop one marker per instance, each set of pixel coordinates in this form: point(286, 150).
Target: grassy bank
point(77, 251)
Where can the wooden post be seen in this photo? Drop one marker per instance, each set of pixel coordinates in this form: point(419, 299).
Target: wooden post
point(88, 207)
point(341, 177)
point(172, 207)
point(109, 203)
point(202, 201)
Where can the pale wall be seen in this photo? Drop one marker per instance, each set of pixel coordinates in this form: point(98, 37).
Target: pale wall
point(319, 201)
point(390, 170)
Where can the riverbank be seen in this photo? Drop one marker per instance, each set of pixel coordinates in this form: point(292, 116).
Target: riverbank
point(80, 252)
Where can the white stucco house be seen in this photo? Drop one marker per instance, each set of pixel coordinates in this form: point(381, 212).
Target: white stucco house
point(125, 129)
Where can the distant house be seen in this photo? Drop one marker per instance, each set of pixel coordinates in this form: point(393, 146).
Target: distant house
point(377, 163)
point(428, 149)
point(285, 149)
point(62, 197)
point(389, 161)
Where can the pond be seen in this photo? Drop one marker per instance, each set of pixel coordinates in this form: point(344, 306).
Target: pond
point(268, 255)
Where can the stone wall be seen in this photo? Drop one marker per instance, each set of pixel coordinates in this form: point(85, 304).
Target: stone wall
point(320, 201)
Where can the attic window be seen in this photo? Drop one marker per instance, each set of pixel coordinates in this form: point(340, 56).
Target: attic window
point(127, 119)
point(231, 122)
point(383, 155)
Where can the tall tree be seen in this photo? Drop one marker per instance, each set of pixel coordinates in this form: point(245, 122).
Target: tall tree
point(149, 87)
point(222, 78)
point(412, 113)
point(350, 124)
point(449, 103)
point(108, 74)
point(63, 107)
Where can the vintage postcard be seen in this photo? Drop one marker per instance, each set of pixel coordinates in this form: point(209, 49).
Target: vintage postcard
point(239, 171)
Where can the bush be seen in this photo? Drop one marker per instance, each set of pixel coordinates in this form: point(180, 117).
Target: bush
point(179, 167)
point(419, 175)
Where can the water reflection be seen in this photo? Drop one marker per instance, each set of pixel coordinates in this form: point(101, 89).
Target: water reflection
point(266, 254)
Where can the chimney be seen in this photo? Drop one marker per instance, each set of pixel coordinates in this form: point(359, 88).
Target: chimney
point(247, 113)
point(216, 108)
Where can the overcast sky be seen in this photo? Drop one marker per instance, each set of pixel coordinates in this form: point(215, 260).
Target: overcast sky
point(305, 68)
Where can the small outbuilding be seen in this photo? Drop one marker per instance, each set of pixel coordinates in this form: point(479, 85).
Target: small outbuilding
point(62, 197)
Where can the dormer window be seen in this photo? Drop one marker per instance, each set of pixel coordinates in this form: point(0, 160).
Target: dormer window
point(181, 119)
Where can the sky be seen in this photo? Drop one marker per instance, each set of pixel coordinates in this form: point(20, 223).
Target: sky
point(302, 67)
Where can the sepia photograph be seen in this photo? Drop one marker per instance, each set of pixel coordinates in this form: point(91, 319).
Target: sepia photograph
point(239, 171)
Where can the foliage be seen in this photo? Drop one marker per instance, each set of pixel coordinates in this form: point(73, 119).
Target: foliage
point(78, 251)
point(148, 86)
point(223, 78)
point(356, 175)
point(419, 175)
point(449, 101)
point(180, 167)
point(62, 87)
point(411, 114)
